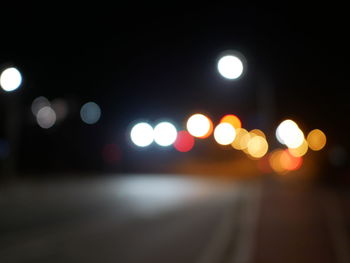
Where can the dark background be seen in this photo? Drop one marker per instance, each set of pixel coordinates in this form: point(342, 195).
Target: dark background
point(152, 63)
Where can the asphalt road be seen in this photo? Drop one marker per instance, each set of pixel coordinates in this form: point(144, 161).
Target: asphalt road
point(128, 218)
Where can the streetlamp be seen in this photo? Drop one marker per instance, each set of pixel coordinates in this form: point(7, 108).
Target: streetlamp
point(232, 65)
point(10, 81)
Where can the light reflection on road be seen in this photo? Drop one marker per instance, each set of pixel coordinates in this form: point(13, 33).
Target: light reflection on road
point(152, 194)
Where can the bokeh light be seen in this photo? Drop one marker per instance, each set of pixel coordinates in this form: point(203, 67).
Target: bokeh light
point(290, 162)
point(276, 163)
point(39, 103)
point(184, 141)
point(233, 120)
point(90, 113)
point(289, 134)
point(142, 134)
point(241, 140)
point(230, 67)
point(199, 125)
point(165, 134)
point(299, 151)
point(10, 79)
point(281, 161)
point(257, 132)
point(46, 117)
point(224, 133)
point(60, 106)
point(257, 146)
point(316, 139)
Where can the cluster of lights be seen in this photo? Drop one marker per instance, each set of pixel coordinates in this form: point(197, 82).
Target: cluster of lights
point(43, 112)
point(143, 134)
point(48, 113)
point(229, 131)
point(289, 134)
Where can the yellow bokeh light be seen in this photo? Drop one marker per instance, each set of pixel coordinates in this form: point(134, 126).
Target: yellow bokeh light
point(257, 146)
point(316, 139)
point(224, 133)
point(233, 120)
point(275, 162)
point(300, 151)
point(257, 132)
point(200, 126)
point(241, 140)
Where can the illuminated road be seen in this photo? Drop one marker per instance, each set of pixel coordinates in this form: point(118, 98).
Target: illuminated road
point(137, 218)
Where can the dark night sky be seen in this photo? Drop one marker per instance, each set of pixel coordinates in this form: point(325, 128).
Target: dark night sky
point(155, 64)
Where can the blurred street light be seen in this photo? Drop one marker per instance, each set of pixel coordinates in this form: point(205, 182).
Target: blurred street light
point(142, 134)
point(90, 113)
point(46, 117)
point(230, 66)
point(224, 133)
point(199, 125)
point(165, 134)
point(10, 79)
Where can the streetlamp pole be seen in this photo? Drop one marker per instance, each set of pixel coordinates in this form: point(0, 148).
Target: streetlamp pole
point(10, 81)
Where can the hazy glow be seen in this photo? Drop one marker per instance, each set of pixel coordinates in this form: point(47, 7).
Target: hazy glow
point(224, 133)
point(199, 126)
point(60, 106)
point(165, 134)
point(337, 155)
point(111, 153)
point(290, 162)
point(288, 133)
point(233, 120)
point(90, 112)
point(230, 67)
point(257, 146)
point(299, 151)
point(10, 79)
point(275, 162)
point(46, 117)
point(38, 104)
point(241, 140)
point(264, 165)
point(142, 134)
point(316, 139)
point(281, 161)
point(184, 141)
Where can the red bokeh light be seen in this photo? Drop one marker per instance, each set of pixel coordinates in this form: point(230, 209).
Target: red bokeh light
point(184, 141)
point(290, 162)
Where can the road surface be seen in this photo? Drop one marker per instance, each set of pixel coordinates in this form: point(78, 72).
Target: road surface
point(128, 218)
point(173, 218)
